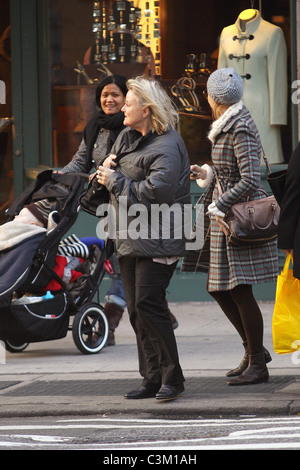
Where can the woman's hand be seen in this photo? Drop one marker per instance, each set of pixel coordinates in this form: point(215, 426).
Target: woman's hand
point(103, 173)
point(197, 172)
point(110, 161)
point(220, 218)
point(287, 252)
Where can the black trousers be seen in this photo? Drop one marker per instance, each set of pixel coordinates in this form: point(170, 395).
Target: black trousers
point(145, 284)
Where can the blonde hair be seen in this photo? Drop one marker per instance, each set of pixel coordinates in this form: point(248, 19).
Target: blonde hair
point(150, 94)
point(219, 109)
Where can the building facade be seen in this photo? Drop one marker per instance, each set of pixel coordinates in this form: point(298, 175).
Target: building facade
point(54, 52)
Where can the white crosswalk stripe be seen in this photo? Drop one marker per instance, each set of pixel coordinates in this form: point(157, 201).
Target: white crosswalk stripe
point(112, 433)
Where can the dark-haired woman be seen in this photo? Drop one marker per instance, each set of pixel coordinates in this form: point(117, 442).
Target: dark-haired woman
point(102, 130)
point(98, 137)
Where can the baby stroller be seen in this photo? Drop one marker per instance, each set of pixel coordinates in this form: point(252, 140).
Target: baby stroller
point(28, 267)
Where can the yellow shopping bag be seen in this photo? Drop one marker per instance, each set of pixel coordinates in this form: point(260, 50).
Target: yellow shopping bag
point(286, 315)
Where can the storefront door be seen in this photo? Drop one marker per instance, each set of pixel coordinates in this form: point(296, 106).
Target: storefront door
point(6, 164)
point(31, 99)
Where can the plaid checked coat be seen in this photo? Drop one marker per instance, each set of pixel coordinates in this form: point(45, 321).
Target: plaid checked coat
point(236, 158)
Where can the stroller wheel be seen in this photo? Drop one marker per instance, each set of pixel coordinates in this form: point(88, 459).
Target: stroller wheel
point(15, 347)
point(90, 329)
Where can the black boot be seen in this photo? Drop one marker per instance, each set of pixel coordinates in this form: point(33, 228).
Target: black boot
point(255, 373)
point(113, 314)
point(245, 361)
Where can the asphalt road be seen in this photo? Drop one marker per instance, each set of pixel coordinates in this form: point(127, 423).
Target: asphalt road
point(117, 436)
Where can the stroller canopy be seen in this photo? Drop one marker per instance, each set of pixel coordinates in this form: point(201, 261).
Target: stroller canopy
point(17, 259)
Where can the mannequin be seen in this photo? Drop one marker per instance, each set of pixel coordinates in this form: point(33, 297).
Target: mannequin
point(256, 49)
point(245, 16)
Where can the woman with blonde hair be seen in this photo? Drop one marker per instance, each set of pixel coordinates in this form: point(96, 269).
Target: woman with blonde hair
point(151, 170)
point(151, 95)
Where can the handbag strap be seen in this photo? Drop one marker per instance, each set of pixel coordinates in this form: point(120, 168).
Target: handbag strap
point(218, 184)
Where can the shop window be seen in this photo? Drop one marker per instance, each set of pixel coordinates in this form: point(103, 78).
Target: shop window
point(89, 39)
point(170, 39)
point(192, 44)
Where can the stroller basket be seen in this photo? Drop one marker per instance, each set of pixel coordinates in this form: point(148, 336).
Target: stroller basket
point(35, 322)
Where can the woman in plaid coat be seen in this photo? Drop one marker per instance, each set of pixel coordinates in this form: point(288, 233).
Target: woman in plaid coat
point(236, 151)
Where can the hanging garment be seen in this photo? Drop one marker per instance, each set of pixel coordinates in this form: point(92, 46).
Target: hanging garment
point(259, 55)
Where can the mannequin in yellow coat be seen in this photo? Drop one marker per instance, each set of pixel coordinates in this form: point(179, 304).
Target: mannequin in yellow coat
point(256, 49)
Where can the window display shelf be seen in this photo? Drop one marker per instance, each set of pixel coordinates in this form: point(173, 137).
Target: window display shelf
point(207, 117)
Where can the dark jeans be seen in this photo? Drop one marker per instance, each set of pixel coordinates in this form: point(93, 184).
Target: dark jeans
point(145, 284)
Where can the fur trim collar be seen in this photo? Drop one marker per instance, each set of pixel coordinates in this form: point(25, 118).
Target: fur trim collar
point(218, 125)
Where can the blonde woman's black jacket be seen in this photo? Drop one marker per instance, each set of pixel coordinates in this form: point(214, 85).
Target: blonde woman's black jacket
point(289, 222)
point(152, 173)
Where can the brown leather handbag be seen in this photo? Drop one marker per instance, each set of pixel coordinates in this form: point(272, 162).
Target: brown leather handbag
point(253, 221)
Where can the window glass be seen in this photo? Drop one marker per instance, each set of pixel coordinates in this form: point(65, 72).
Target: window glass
point(89, 39)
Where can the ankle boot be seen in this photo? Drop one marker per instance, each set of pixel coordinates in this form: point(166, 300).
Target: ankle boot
point(245, 361)
point(243, 364)
point(113, 314)
point(255, 373)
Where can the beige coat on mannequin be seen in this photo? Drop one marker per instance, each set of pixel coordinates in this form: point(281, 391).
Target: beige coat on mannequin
point(260, 52)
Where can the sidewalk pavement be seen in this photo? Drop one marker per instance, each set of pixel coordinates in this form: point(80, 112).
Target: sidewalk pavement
point(54, 378)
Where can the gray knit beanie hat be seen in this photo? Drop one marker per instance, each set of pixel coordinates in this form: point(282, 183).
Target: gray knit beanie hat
point(225, 86)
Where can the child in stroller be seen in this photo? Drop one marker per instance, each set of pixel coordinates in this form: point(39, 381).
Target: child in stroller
point(27, 265)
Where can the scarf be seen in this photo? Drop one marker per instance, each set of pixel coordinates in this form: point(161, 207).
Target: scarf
point(113, 123)
point(110, 122)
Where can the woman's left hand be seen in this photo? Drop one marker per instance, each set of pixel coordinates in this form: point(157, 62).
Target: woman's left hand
point(288, 251)
point(103, 174)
